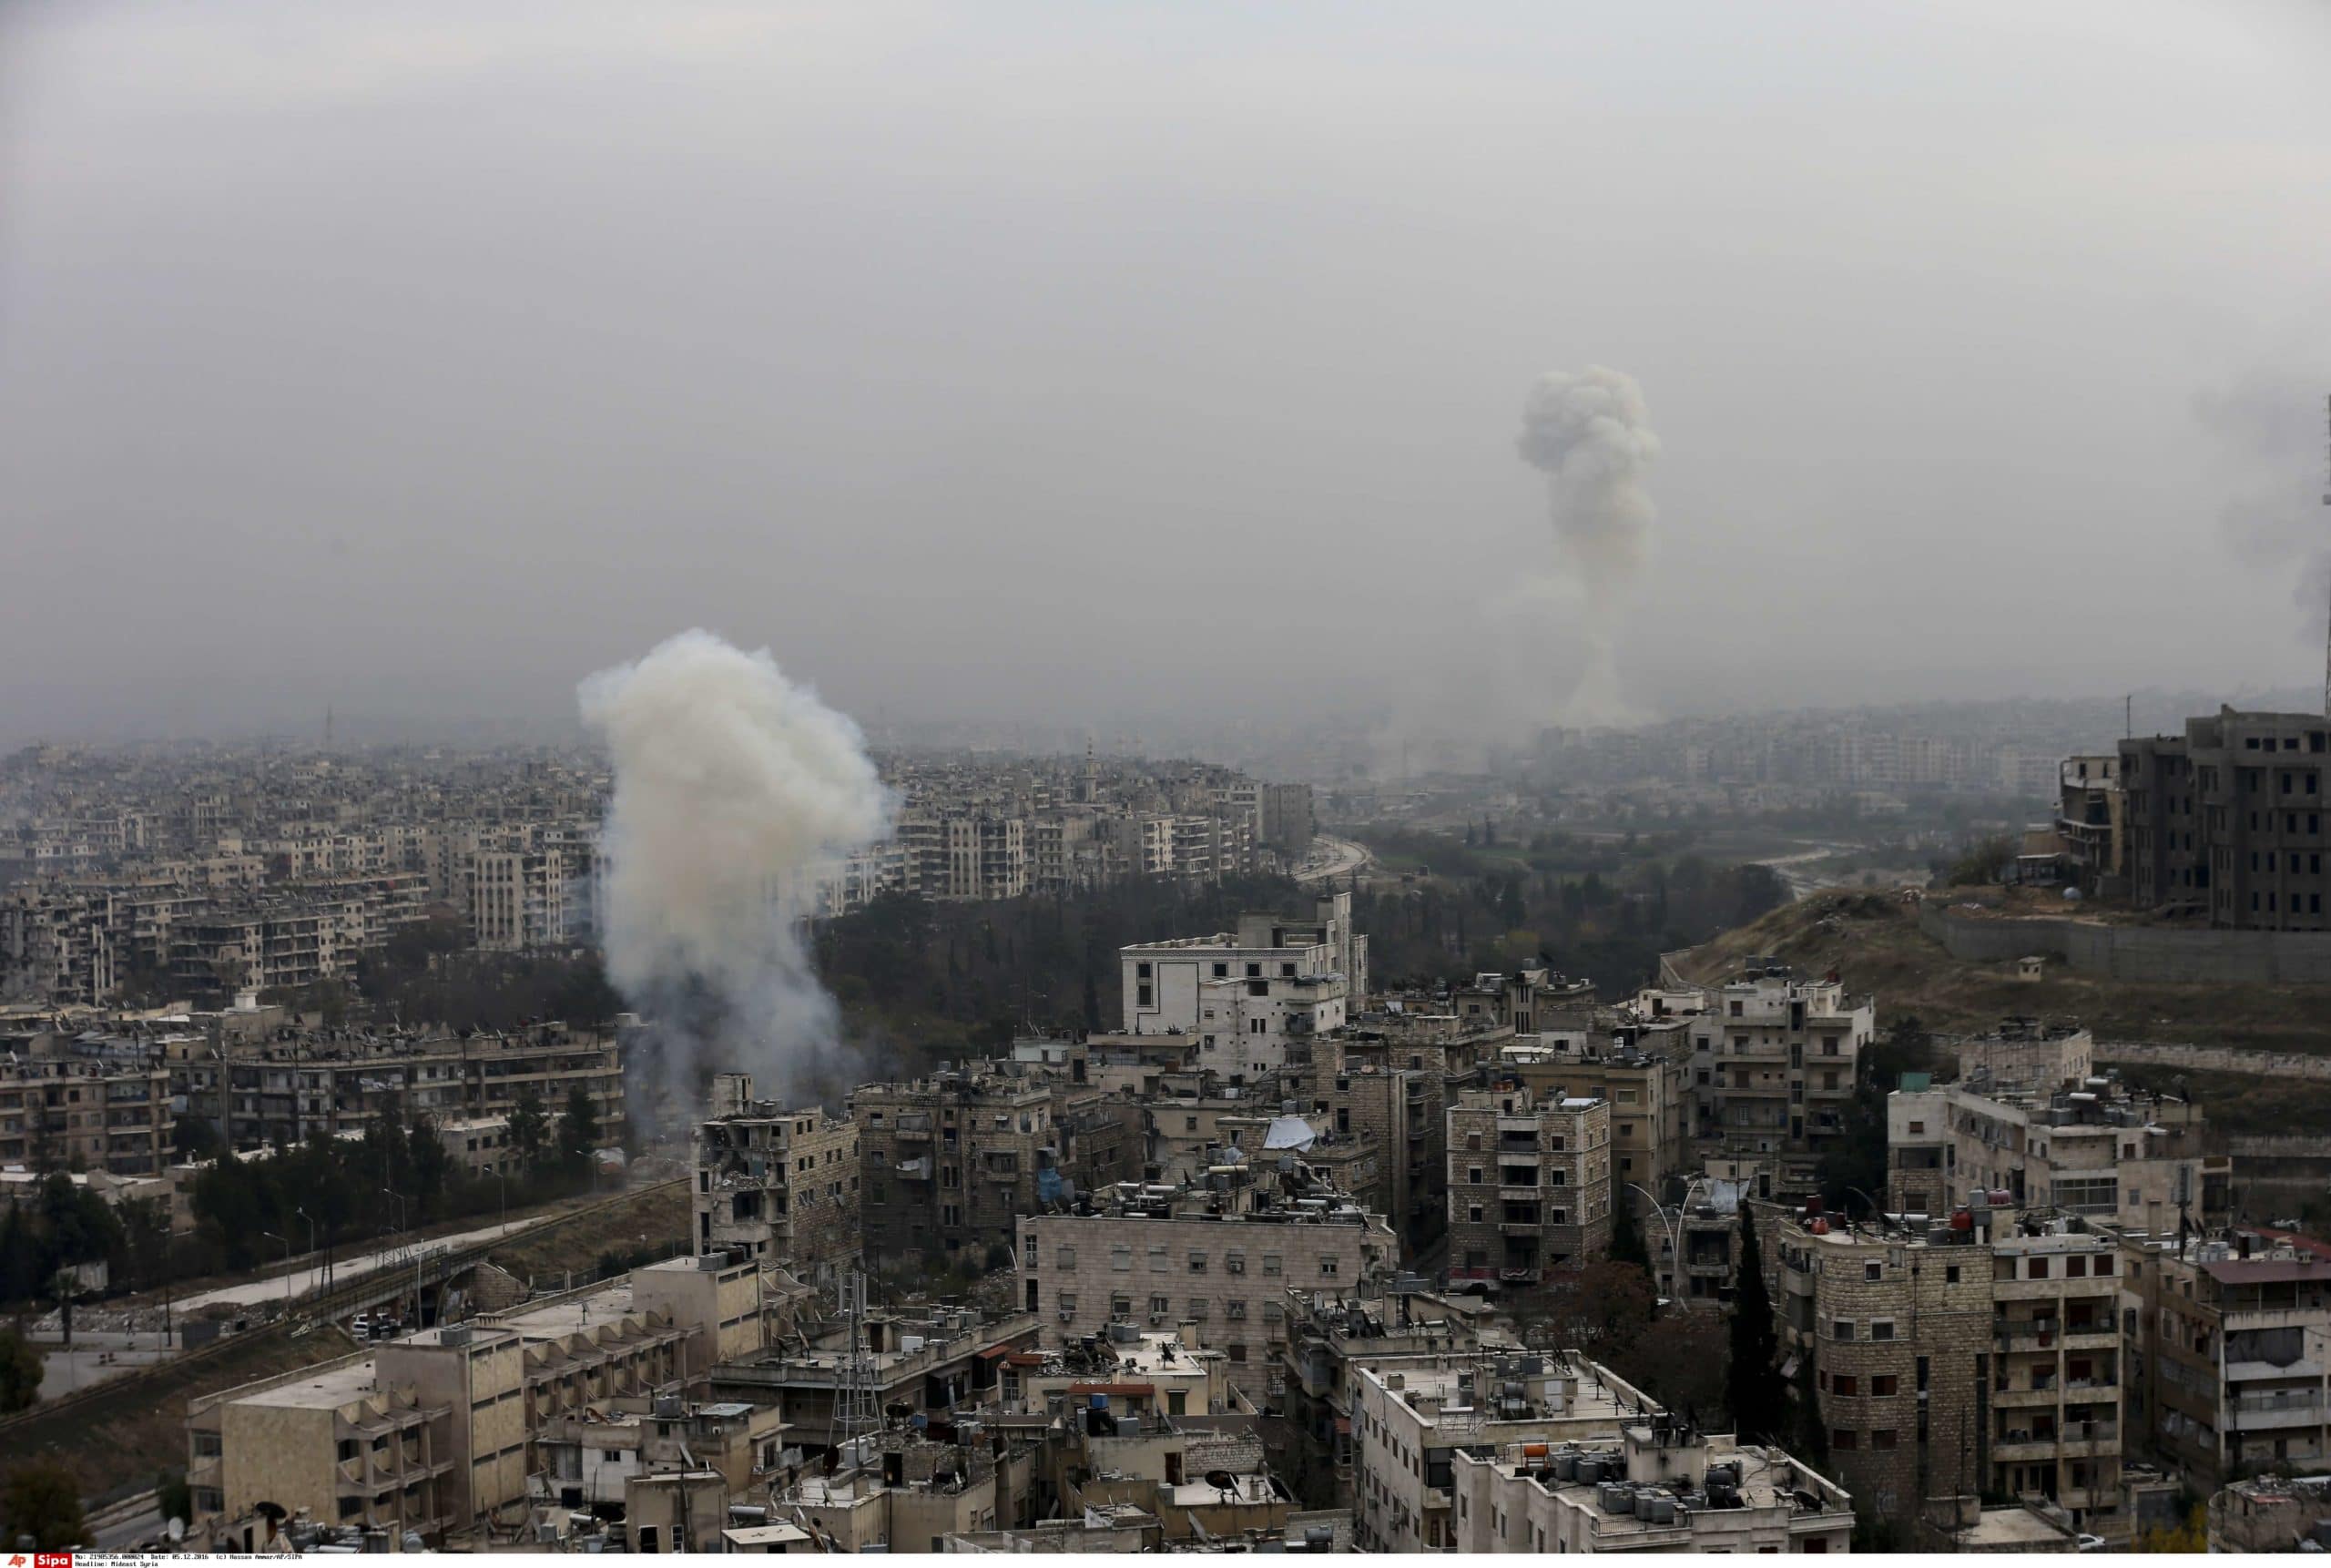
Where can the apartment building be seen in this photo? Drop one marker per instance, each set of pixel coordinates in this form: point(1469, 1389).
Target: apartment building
point(519, 898)
point(935, 1363)
point(1215, 1261)
point(1528, 1001)
point(1981, 1356)
point(2054, 1432)
point(2227, 819)
point(2094, 1148)
point(435, 1433)
point(1528, 1184)
point(2232, 1337)
point(781, 1187)
point(1643, 1071)
point(1653, 1485)
point(2092, 820)
point(1249, 995)
point(1412, 1416)
point(285, 1086)
point(1774, 1062)
point(1367, 1091)
point(1891, 1334)
point(1329, 1333)
point(61, 1112)
point(951, 1161)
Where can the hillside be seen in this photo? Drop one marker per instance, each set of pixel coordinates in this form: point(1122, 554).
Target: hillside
point(1873, 941)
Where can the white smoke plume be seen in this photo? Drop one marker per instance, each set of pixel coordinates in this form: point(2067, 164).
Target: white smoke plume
point(1589, 432)
point(2270, 428)
point(733, 788)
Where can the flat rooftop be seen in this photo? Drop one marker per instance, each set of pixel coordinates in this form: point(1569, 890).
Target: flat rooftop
point(327, 1388)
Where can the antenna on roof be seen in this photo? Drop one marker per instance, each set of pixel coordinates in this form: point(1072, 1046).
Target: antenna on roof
point(2326, 500)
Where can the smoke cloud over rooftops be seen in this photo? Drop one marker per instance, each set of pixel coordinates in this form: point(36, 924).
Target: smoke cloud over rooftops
point(1589, 432)
point(733, 788)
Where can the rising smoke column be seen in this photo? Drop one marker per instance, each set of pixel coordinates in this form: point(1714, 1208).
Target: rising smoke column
point(734, 788)
point(1589, 432)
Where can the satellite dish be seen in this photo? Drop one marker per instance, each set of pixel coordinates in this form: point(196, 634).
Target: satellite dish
point(175, 1530)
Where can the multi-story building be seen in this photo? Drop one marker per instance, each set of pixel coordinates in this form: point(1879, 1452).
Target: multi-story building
point(1248, 994)
point(2091, 821)
point(95, 1115)
point(779, 1187)
point(1214, 1261)
point(284, 1087)
point(1644, 1071)
point(931, 1363)
point(1368, 1093)
point(2228, 819)
point(1329, 1333)
point(518, 899)
point(951, 1161)
point(2086, 1145)
point(1412, 1414)
point(1981, 1355)
point(1889, 1334)
point(1774, 1060)
point(1528, 1184)
point(1653, 1485)
point(2233, 1334)
point(435, 1433)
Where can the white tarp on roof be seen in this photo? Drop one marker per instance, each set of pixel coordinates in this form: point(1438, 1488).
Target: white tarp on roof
point(1289, 1133)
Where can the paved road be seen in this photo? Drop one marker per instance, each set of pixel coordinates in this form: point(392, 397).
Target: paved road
point(131, 1531)
point(1330, 859)
point(302, 1281)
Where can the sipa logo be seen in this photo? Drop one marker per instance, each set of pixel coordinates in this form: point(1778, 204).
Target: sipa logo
point(51, 1560)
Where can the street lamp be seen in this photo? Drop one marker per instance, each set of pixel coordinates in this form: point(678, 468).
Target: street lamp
point(301, 1212)
point(1877, 1209)
point(1674, 1250)
point(287, 1267)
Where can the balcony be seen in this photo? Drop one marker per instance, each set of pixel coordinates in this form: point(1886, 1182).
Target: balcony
point(2260, 1412)
point(2049, 1394)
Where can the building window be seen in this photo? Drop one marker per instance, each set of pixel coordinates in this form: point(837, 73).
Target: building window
point(1842, 1328)
point(1882, 1387)
point(1845, 1385)
point(1841, 1441)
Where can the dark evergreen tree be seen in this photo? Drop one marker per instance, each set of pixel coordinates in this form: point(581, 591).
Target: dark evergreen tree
point(1753, 1386)
point(1626, 1236)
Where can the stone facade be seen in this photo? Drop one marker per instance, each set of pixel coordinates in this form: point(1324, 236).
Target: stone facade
point(1528, 1184)
point(779, 1187)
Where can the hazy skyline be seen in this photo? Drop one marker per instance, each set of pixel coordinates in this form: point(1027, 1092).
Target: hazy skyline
point(1074, 362)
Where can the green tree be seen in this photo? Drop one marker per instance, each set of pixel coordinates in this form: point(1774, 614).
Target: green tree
point(1626, 1235)
point(21, 1370)
point(41, 1497)
point(578, 1129)
point(1753, 1386)
point(529, 1128)
point(22, 1268)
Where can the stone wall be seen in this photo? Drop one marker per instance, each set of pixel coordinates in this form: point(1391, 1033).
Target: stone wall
point(2134, 952)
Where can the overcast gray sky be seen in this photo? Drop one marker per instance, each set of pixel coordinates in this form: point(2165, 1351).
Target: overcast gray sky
point(1086, 360)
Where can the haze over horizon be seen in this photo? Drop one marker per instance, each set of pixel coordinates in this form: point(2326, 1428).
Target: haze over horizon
point(1053, 363)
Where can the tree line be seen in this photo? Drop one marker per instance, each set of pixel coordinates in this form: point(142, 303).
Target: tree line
point(323, 1194)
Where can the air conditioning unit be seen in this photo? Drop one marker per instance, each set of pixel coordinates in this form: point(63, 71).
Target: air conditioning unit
point(1235, 1266)
point(1155, 1318)
point(1068, 1314)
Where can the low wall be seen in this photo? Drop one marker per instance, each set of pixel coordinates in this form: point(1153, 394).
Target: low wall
point(2134, 952)
point(2218, 1059)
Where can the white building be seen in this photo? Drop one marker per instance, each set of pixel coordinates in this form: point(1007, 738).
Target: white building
point(1246, 994)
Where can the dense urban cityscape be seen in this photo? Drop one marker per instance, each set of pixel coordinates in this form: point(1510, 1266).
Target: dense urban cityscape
point(1047, 777)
